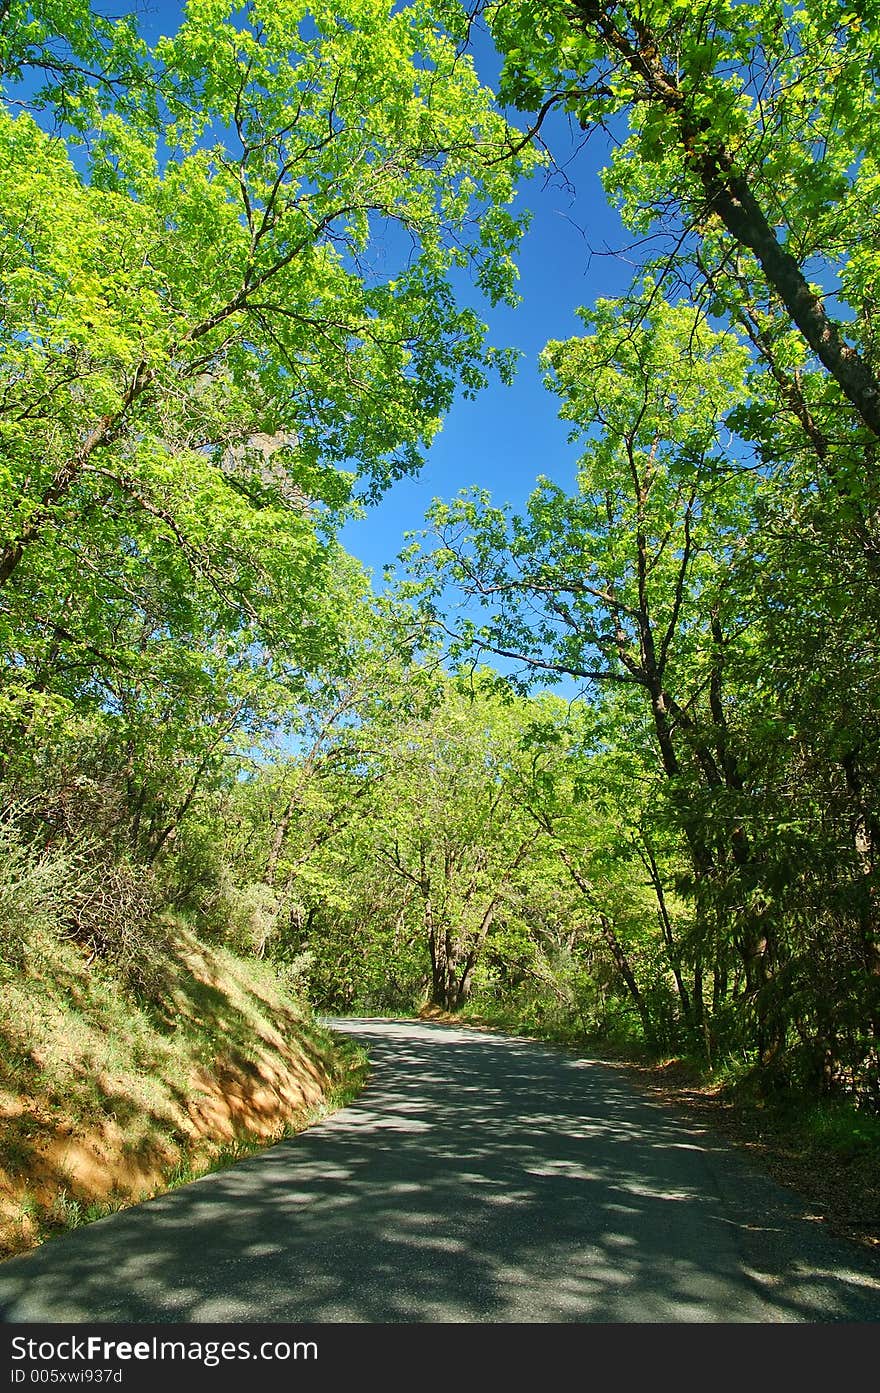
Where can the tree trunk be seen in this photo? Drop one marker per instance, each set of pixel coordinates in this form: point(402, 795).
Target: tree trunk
point(729, 195)
point(666, 930)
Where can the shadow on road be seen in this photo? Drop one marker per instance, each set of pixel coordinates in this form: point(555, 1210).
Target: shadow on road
point(477, 1178)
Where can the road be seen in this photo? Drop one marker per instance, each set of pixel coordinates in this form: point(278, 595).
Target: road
point(478, 1178)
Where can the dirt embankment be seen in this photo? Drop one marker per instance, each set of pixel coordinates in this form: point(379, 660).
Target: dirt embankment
point(105, 1100)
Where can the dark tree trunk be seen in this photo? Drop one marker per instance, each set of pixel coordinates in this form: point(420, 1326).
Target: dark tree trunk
point(730, 196)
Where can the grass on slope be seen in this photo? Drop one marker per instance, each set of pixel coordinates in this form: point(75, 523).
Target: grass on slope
point(111, 1092)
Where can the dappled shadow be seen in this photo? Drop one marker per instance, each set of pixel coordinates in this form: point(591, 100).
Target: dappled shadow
point(213, 1066)
point(477, 1178)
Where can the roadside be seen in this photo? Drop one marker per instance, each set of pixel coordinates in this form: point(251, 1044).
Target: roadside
point(835, 1168)
point(459, 1191)
point(839, 1179)
point(114, 1090)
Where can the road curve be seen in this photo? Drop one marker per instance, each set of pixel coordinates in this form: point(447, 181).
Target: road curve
point(478, 1178)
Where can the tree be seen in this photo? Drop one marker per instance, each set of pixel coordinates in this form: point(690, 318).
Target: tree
point(452, 833)
point(751, 138)
point(397, 833)
point(69, 60)
point(642, 586)
point(227, 282)
point(725, 632)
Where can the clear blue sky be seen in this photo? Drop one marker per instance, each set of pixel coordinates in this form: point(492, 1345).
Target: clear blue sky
point(508, 436)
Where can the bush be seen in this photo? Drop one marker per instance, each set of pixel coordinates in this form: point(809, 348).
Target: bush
point(37, 886)
point(247, 916)
point(112, 912)
point(74, 889)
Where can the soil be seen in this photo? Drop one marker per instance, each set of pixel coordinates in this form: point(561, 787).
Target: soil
point(238, 1099)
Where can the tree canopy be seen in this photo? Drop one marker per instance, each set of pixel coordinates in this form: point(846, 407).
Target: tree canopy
point(246, 272)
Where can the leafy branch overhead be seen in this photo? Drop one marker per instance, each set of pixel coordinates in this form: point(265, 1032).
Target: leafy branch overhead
point(265, 248)
point(246, 271)
point(750, 141)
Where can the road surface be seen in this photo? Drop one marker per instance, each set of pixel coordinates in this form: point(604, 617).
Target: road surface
point(478, 1178)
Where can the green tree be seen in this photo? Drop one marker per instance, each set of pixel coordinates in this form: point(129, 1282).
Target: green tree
point(397, 835)
point(227, 282)
point(743, 152)
point(626, 585)
point(752, 133)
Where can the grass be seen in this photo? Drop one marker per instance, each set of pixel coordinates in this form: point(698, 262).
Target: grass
point(850, 1135)
point(351, 1067)
point(108, 1096)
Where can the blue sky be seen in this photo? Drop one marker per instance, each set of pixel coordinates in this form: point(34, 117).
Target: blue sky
point(508, 436)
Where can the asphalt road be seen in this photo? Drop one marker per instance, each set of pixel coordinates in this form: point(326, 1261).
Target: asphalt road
point(478, 1178)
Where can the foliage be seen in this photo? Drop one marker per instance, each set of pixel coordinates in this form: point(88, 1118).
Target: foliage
point(709, 581)
point(235, 311)
point(227, 311)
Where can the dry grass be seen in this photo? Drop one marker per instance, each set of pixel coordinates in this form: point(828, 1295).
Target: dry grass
point(106, 1098)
